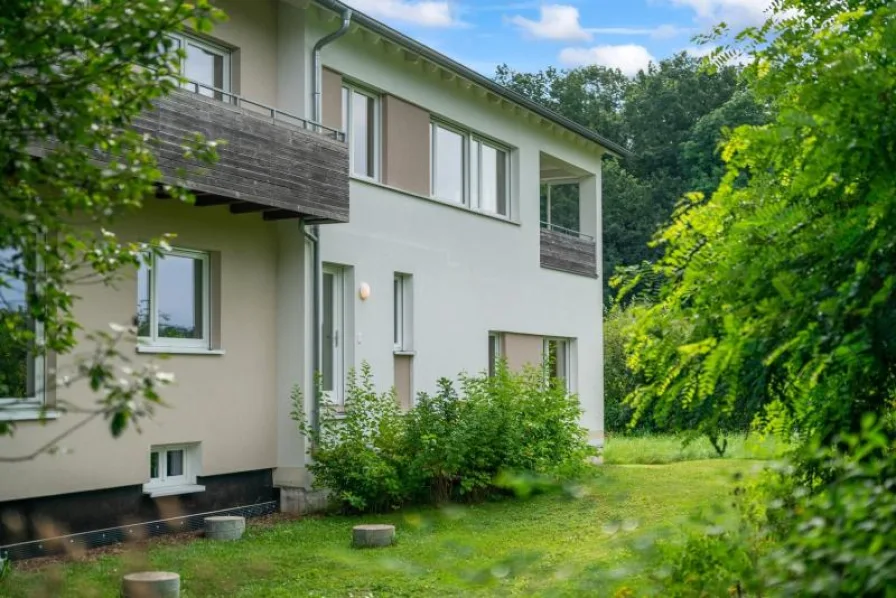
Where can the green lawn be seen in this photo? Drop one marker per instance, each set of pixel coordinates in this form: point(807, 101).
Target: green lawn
point(547, 545)
point(654, 450)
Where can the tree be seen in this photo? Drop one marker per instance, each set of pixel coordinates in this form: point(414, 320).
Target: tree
point(70, 85)
point(784, 280)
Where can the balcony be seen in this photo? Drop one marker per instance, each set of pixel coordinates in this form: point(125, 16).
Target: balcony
point(568, 251)
point(270, 162)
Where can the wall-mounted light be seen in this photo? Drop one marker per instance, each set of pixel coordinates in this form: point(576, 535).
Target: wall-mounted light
point(364, 291)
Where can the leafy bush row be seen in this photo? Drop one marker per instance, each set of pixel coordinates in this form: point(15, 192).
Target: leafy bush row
point(452, 445)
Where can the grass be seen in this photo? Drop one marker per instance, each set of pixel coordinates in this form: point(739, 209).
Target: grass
point(654, 450)
point(555, 544)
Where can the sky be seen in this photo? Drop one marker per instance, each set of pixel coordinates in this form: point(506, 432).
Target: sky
point(532, 35)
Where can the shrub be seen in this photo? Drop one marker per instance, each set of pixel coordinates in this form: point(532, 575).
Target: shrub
point(453, 445)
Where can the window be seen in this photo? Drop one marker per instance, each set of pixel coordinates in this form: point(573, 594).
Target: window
point(173, 300)
point(495, 352)
point(206, 64)
point(21, 367)
point(401, 312)
point(333, 326)
point(360, 120)
point(560, 207)
point(556, 358)
point(448, 170)
point(173, 470)
point(470, 171)
point(489, 178)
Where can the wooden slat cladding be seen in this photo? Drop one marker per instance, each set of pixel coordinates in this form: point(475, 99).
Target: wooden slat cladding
point(568, 253)
point(274, 164)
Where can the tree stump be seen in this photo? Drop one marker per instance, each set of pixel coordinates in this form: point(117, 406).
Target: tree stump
point(373, 536)
point(225, 527)
point(150, 584)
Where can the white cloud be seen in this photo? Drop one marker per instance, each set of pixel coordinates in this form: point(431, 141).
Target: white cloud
point(736, 13)
point(427, 13)
point(700, 51)
point(557, 21)
point(628, 58)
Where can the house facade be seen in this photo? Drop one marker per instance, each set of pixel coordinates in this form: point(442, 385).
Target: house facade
point(401, 216)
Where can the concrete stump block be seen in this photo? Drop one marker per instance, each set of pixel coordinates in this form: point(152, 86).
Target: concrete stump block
point(151, 584)
point(373, 536)
point(225, 527)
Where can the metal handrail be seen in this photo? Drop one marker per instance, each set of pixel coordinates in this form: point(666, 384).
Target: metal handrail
point(254, 107)
point(566, 231)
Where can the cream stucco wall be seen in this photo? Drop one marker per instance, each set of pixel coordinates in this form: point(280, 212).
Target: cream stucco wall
point(251, 28)
point(225, 402)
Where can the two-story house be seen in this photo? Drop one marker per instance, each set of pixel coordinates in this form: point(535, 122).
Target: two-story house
point(375, 201)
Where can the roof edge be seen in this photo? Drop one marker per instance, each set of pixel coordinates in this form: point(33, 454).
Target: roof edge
point(478, 78)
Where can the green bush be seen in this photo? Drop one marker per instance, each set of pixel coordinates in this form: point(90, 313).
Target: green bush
point(824, 530)
point(456, 444)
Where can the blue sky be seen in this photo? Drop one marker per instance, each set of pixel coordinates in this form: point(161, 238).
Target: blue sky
point(531, 35)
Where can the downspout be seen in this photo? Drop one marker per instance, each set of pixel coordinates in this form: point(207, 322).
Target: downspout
point(314, 234)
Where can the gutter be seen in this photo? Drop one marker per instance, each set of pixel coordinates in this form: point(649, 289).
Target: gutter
point(468, 73)
point(314, 234)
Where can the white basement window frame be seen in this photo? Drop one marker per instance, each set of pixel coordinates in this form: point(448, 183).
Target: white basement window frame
point(148, 316)
point(173, 470)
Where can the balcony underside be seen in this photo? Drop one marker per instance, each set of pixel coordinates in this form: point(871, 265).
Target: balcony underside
point(568, 253)
point(264, 165)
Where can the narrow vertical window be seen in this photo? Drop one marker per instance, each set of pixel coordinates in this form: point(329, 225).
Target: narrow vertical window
point(360, 116)
point(401, 312)
point(490, 178)
point(21, 366)
point(448, 164)
point(495, 352)
point(332, 329)
point(556, 357)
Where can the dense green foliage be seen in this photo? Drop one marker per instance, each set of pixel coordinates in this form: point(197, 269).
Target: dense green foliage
point(791, 536)
point(783, 282)
point(460, 443)
point(68, 91)
point(672, 116)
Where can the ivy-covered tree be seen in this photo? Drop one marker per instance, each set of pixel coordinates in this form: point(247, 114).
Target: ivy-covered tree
point(785, 281)
point(73, 75)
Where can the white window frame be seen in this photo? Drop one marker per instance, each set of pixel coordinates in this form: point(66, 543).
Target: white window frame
point(507, 178)
point(469, 138)
point(496, 346)
point(337, 394)
point(154, 340)
point(566, 345)
point(402, 312)
point(348, 89)
point(11, 405)
point(184, 39)
point(165, 485)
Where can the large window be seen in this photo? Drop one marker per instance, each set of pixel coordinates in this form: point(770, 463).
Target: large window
point(470, 171)
point(173, 300)
point(21, 368)
point(360, 120)
point(207, 64)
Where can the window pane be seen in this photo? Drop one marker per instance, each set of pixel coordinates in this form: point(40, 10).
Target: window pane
point(179, 295)
point(17, 375)
point(205, 66)
point(154, 465)
point(492, 354)
point(397, 315)
point(328, 324)
point(362, 134)
point(475, 182)
point(449, 166)
point(174, 463)
point(494, 181)
point(143, 294)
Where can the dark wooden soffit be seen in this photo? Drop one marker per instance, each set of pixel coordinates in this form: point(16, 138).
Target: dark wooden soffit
point(267, 166)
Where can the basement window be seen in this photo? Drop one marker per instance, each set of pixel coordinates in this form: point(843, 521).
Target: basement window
point(173, 470)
